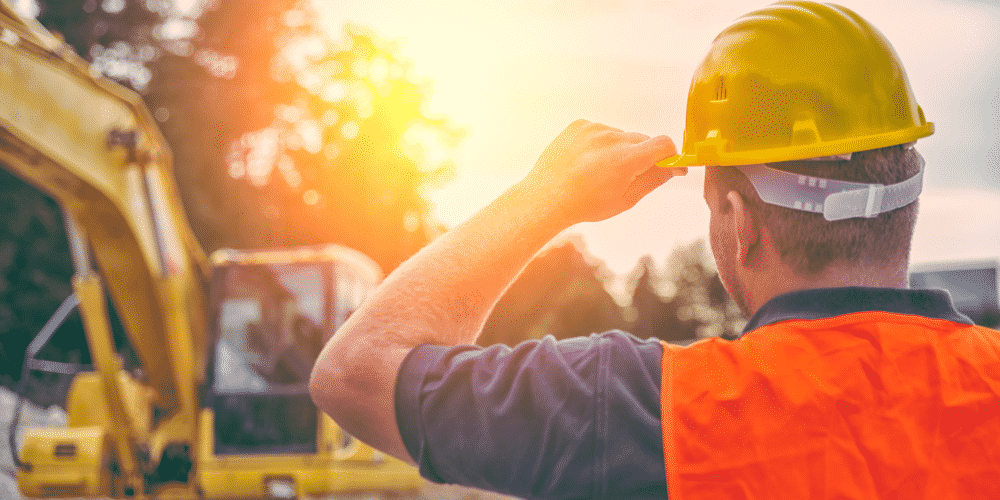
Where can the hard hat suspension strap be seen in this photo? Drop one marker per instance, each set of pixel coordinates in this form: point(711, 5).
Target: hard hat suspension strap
point(835, 199)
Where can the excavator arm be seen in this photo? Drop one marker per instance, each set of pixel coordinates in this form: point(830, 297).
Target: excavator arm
point(93, 147)
point(219, 407)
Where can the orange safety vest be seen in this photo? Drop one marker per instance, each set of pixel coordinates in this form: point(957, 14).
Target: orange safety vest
point(863, 405)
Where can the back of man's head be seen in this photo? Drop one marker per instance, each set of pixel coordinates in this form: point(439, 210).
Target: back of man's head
point(807, 242)
point(816, 90)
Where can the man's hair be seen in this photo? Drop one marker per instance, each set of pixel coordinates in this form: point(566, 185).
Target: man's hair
point(807, 242)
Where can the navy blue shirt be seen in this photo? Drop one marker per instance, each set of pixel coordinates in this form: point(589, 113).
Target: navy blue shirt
point(576, 418)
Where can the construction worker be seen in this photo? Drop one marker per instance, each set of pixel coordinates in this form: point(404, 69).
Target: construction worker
point(844, 384)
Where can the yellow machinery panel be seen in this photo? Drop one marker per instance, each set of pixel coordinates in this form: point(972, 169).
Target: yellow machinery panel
point(341, 466)
point(65, 462)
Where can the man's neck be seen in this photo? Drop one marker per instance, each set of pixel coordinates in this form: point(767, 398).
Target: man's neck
point(763, 288)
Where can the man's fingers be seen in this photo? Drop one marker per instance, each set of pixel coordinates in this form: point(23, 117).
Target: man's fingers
point(602, 170)
point(635, 137)
point(604, 136)
point(657, 148)
point(645, 151)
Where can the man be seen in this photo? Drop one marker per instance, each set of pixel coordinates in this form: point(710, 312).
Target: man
point(844, 384)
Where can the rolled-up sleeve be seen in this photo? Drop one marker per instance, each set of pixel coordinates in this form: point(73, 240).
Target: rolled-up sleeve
point(576, 418)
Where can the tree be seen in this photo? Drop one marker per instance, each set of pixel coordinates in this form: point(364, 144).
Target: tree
point(683, 302)
point(34, 270)
point(301, 137)
point(561, 293)
point(264, 155)
point(282, 133)
point(652, 315)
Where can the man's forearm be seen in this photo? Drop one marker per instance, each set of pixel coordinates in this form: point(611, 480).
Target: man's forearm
point(444, 294)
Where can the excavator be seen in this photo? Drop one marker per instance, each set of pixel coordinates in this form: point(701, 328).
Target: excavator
point(215, 404)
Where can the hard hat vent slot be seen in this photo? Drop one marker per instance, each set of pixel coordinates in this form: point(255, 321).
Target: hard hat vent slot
point(721, 94)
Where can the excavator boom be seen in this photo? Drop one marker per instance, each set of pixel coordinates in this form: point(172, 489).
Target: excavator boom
point(219, 406)
point(94, 148)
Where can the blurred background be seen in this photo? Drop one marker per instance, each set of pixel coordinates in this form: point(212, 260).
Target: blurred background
point(378, 125)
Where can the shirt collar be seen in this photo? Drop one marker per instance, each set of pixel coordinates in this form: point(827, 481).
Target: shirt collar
point(829, 302)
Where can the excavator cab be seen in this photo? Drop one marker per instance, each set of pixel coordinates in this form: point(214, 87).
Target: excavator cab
point(271, 312)
point(271, 320)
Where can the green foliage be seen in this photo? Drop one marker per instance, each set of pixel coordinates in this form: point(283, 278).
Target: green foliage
point(561, 293)
point(683, 301)
point(282, 135)
point(298, 136)
point(34, 274)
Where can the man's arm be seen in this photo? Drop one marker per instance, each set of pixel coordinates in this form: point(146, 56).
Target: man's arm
point(444, 293)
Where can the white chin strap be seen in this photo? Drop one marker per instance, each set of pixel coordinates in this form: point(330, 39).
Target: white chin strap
point(836, 200)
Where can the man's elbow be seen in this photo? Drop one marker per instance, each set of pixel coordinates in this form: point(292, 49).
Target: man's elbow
point(325, 383)
point(340, 383)
point(317, 383)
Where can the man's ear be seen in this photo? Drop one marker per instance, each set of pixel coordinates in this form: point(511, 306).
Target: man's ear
point(745, 228)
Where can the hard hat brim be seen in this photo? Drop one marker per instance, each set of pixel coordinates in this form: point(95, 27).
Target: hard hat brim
point(715, 158)
point(679, 160)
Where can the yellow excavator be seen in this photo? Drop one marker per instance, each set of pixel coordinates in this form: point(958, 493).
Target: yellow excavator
point(217, 405)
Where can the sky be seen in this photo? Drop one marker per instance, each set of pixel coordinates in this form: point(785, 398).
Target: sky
point(515, 73)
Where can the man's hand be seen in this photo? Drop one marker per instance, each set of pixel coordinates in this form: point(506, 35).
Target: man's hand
point(595, 171)
point(444, 294)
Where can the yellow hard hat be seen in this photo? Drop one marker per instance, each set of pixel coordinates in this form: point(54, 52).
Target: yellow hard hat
point(797, 80)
